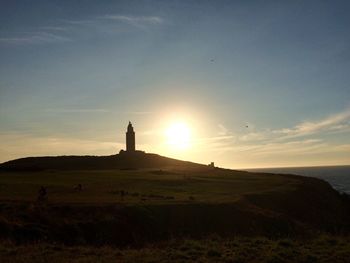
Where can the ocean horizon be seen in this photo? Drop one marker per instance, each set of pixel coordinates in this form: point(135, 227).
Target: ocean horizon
point(338, 176)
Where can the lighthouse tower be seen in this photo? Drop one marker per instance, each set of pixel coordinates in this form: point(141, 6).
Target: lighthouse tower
point(130, 138)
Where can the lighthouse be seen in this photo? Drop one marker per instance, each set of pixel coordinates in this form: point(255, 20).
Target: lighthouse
point(130, 138)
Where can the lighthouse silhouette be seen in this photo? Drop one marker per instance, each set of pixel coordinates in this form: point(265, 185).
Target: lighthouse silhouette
point(130, 138)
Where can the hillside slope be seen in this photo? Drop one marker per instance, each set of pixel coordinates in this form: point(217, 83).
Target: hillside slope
point(119, 161)
point(140, 198)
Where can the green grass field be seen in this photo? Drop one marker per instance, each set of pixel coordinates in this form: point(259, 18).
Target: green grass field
point(171, 215)
point(150, 186)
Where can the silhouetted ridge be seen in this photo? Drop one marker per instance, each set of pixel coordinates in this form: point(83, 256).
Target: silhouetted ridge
point(123, 160)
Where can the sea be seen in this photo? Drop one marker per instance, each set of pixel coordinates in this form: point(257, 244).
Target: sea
point(337, 176)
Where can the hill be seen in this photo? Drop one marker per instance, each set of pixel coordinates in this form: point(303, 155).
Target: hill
point(137, 199)
point(122, 160)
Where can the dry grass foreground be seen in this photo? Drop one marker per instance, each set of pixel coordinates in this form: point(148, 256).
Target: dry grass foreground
point(215, 249)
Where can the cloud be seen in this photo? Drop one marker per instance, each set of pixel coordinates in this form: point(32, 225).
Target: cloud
point(111, 21)
point(83, 22)
point(253, 136)
point(215, 138)
point(138, 21)
point(334, 122)
point(95, 110)
point(222, 130)
point(292, 141)
point(35, 38)
point(69, 30)
point(77, 110)
point(216, 143)
point(54, 28)
point(139, 112)
point(291, 147)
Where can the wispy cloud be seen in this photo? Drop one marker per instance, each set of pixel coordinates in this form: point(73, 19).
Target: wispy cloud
point(253, 136)
point(95, 110)
point(302, 139)
point(77, 110)
point(222, 130)
point(139, 112)
point(75, 24)
point(339, 121)
point(215, 143)
point(291, 147)
point(69, 30)
point(35, 38)
point(223, 139)
point(138, 21)
point(54, 28)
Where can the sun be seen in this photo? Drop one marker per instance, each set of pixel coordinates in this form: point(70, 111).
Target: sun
point(178, 136)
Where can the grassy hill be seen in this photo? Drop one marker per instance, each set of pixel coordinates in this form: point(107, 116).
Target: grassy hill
point(122, 160)
point(161, 186)
point(133, 200)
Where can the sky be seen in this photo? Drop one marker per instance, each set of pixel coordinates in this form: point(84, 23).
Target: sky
point(257, 83)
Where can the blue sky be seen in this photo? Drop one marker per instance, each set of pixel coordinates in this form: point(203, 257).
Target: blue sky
point(73, 73)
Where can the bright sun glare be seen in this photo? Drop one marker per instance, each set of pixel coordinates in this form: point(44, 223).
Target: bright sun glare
point(178, 136)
